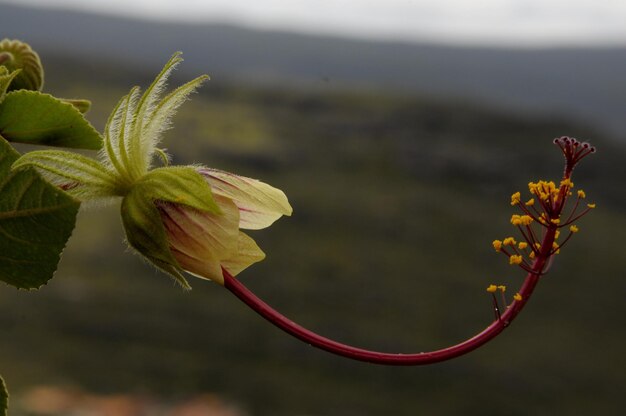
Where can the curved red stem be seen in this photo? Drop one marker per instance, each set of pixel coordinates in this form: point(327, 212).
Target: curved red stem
point(573, 153)
point(421, 358)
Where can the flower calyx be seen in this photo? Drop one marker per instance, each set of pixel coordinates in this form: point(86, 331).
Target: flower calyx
point(142, 220)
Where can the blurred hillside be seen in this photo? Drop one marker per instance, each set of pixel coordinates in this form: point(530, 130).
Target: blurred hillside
point(580, 83)
point(396, 201)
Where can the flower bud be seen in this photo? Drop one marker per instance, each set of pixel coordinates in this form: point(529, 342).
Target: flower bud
point(16, 55)
point(183, 219)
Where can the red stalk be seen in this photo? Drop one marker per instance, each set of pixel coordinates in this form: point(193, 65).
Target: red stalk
point(421, 358)
point(543, 256)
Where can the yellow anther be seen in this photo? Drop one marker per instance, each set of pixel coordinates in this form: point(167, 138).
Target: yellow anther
point(515, 198)
point(497, 245)
point(502, 288)
point(516, 219)
point(509, 241)
point(517, 297)
point(592, 206)
point(492, 288)
point(532, 255)
point(567, 182)
point(555, 221)
point(581, 194)
point(543, 189)
point(526, 219)
point(573, 228)
point(557, 233)
point(530, 202)
point(515, 259)
point(522, 245)
point(555, 246)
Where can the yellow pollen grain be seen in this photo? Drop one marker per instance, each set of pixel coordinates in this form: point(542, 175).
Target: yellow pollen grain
point(492, 288)
point(517, 297)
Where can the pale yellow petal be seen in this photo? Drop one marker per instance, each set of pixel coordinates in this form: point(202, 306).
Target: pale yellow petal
point(248, 254)
point(208, 267)
point(199, 239)
point(259, 203)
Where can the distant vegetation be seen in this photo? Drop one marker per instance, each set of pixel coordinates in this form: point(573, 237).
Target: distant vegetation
point(582, 83)
point(396, 200)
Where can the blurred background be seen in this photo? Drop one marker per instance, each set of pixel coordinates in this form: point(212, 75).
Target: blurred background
point(399, 130)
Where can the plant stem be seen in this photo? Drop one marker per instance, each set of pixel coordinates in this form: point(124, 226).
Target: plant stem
point(503, 320)
point(421, 358)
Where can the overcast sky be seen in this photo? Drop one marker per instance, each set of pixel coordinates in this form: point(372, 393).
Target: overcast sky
point(509, 22)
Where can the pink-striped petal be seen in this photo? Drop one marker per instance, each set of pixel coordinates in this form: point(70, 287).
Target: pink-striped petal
point(259, 203)
point(200, 240)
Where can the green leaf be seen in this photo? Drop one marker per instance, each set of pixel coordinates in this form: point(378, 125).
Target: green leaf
point(36, 220)
point(81, 105)
point(36, 118)
point(4, 398)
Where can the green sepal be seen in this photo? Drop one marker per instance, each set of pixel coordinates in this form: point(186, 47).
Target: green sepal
point(179, 184)
point(36, 220)
point(4, 398)
point(82, 177)
point(146, 234)
point(36, 118)
point(6, 78)
point(141, 218)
